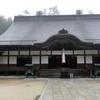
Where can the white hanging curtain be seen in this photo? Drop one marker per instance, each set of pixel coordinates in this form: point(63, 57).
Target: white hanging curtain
point(63, 56)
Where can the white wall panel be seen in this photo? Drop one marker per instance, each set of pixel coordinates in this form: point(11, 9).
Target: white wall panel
point(89, 59)
point(44, 59)
point(45, 52)
point(5, 53)
point(13, 60)
point(13, 52)
point(79, 52)
point(35, 52)
point(3, 60)
point(91, 51)
point(24, 52)
point(56, 52)
point(69, 52)
point(35, 60)
point(80, 59)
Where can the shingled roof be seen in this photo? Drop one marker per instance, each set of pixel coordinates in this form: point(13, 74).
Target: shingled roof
point(40, 28)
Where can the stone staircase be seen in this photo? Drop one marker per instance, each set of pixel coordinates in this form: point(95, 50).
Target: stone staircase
point(56, 73)
point(53, 73)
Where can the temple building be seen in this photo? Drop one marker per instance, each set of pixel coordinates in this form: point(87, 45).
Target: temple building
point(52, 44)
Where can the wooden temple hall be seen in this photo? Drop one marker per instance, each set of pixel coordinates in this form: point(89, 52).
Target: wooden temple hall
point(52, 44)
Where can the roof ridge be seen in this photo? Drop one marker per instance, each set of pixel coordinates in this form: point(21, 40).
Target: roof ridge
point(56, 17)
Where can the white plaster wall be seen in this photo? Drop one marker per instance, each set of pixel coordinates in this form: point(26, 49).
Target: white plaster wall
point(79, 52)
point(80, 59)
point(44, 60)
point(13, 60)
point(35, 60)
point(24, 52)
point(69, 52)
point(5, 53)
point(56, 52)
point(13, 53)
point(45, 52)
point(89, 59)
point(91, 51)
point(35, 53)
point(3, 60)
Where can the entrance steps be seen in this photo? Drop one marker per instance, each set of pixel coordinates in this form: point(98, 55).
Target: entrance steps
point(56, 73)
point(53, 73)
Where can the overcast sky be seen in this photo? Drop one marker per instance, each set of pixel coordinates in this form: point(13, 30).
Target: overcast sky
point(15, 7)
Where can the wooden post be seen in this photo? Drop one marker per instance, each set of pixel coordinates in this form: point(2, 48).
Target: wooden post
point(29, 53)
point(73, 52)
point(8, 58)
point(6, 71)
point(98, 52)
point(84, 59)
point(40, 59)
point(51, 52)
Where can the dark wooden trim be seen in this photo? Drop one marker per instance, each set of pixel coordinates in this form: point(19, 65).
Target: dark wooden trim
point(67, 41)
point(55, 42)
point(44, 66)
point(51, 55)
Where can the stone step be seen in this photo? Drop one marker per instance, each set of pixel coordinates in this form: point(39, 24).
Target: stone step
point(50, 73)
point(57, 72)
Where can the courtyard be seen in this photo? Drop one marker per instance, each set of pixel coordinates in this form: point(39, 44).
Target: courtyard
point(21, 89)
point(73, 89)
point(49, 88)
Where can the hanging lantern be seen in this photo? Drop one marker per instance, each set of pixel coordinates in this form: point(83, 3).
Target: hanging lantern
point(63, 56)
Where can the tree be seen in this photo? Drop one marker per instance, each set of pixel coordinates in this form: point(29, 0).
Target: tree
point(39, 13)
point(54, 11)
point(51, 11)
point(90, 12)
point(4, 24)
point(79, 12)
point(26, 12)
point(44, 11)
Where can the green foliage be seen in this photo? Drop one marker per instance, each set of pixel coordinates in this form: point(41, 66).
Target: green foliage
point(51, 11)
point(4, 24)
point(26, 12)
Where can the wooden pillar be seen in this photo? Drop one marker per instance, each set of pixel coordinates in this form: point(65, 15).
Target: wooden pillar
point(84, 59)
point(51, 53)
point(6, 71)
point(29, 53)
point(98, 52)
point(17, 71)
point(8, 58)
point(40, 59)
point(18, 52)
point(73, 52)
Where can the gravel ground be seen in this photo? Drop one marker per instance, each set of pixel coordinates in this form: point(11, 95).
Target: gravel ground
point(94, 82)
point(21, 89)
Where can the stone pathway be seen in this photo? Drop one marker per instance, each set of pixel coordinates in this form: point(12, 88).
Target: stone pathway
point(72, 89)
